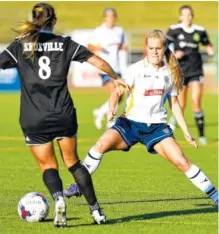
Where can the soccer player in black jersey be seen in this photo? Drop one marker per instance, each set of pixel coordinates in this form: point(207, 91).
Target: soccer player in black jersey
point(186, 38)
point(47, 111)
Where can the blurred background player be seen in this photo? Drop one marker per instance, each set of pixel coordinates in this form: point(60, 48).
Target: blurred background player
point(109, 42)
point(152, 81)
point(47, 111)
point(186, 38)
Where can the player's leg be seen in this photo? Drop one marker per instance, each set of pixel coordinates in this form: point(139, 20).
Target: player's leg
point(169, 149)
point(68, 148)
point(196, 88)
point(182, 101)
point(112, 139)
point(45, 156)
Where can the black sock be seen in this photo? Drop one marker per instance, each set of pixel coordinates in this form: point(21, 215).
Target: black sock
point(83, 179)
point(199, 119)
point(53, 182)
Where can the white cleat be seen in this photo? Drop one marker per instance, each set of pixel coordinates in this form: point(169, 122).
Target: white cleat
point(203, 140)
point(98, 216)
point(60, 213)
point(98, 118)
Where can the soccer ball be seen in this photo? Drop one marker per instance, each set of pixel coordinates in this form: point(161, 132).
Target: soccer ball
point(33, 207)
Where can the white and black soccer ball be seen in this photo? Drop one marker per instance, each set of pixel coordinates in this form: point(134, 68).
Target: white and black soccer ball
point(33, 207)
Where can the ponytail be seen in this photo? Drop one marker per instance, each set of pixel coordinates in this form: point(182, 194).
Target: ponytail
point(175, 69)
point(43, 15)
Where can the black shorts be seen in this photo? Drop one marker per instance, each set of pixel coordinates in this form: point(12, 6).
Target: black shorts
point(43, 138)
point(193, 78)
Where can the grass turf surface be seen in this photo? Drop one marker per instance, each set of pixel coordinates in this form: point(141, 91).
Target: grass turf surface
point(140, 193)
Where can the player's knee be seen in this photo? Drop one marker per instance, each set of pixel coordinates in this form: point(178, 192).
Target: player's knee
point(183, 165)
point(102, 146)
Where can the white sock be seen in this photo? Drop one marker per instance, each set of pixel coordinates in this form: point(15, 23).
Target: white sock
point(201, 181)
point(103, 110)
point(92, 160)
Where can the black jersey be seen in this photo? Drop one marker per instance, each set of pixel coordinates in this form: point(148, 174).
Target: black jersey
point(188, 41)
point(46, 104)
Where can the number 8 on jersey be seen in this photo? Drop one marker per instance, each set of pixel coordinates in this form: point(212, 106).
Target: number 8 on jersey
point(44, 70)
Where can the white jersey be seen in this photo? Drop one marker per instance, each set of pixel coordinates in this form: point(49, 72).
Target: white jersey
point(111, 40)
point(149, 91)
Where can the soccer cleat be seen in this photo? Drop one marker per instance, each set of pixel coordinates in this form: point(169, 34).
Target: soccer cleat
point(172, 123)
point(73, 190)
point(60, 213)
point(203, 140)
point(98, 118)
point(98, 216)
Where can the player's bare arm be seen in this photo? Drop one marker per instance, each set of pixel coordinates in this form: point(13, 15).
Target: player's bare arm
point(102, 65)
point(178, 113)
point(113, 101)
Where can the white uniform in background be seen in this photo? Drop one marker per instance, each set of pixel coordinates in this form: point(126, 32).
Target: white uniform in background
point(113, 43)
point(111, 46)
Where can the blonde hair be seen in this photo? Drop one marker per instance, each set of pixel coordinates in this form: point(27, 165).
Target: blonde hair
point(171, 60)
point(42, 16)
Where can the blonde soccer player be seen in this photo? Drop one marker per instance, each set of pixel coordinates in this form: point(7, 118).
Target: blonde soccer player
point(152, 81)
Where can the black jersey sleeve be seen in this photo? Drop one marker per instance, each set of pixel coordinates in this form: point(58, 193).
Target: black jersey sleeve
point(205, 39)
point(170, 36)
point(80, 53)
point(8, 58)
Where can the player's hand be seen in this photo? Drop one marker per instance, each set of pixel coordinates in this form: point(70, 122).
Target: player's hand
point(119, 83)
point(190, 139)
point(179, 54)
point(111, 115)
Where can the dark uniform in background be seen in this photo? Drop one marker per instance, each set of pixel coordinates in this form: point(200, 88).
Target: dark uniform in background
point(188, 41)
point(47, 110)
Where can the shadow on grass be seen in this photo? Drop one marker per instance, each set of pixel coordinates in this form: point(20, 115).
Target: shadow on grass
point(162, 214)
point(150, 216)
point(68, 219)
point(154, 200)
point(148, 201)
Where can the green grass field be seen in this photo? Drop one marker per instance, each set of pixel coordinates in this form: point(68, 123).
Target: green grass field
point(140, 193)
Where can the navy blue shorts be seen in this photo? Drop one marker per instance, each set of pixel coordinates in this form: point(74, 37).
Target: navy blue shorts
point(133, 132)
point(106, 78)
